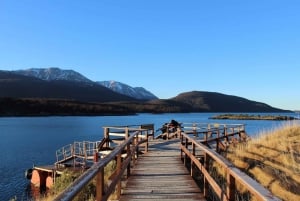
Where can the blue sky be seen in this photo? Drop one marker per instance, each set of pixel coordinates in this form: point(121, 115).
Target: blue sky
point(244, 48)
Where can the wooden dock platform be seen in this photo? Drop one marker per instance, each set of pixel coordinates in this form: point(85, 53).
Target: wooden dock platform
point(160, 175)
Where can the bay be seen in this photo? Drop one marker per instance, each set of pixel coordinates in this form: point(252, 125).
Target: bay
point(28, 141)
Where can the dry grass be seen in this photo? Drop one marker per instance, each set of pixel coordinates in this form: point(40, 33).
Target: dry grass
point(273, 159)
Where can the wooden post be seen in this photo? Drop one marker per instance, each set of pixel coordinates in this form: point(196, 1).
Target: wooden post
point(195, 130)
point(218, 137)
point(206, 183)
point(209, 133)
point(205, 137)
point(136, 149)
point(225, 134)
point(119, 166)
point(193, 152)
point(96, 157)
point(230, 191)
point(106, 135)
point(128, 153)
point(181, 152)
point(179, 130)
point(167, 131)
point(146, 146)
point(84, 144)
point(126, 133)
point(186, 146)
point(100, 185)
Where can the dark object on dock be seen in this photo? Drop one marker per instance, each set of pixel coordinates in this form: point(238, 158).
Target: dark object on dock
point(169, 130)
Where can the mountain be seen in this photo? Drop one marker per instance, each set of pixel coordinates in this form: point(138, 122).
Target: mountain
point(15, 85)
point(56, 74)
point(217, 102)
point(135, 92)
point(53, 73)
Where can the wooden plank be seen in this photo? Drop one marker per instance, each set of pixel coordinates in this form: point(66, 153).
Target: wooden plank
point(160, 175)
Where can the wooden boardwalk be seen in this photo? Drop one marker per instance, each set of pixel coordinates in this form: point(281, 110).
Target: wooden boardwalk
point(161, 175)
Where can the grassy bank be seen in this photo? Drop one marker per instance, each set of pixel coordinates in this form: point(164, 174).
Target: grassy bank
point(273, 159)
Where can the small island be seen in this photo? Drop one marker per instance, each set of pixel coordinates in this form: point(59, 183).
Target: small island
point(253, 117)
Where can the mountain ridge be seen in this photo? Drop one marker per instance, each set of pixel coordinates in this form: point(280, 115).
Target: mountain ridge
point(57, 74)
point(58, 92)
point(20, 86)
point(53, 73)
point(136, 92)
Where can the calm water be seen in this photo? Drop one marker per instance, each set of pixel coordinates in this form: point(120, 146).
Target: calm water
point(34, 140)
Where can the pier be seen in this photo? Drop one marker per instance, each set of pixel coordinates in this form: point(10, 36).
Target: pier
point(178, 168)
point(160, 175)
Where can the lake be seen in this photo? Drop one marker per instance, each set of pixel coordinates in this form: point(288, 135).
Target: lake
point(28, 141)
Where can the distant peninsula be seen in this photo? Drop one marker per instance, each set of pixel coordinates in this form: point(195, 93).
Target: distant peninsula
point(254, 117)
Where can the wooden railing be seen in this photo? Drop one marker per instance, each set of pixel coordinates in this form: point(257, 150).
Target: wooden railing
point(218, 135)
point(130, 146)
point(197, 155)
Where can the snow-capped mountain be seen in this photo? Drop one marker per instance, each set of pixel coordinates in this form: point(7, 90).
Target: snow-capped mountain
point(135, 92)
point(53, 73)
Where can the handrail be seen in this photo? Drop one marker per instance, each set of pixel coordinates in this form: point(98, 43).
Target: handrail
point(233, 173)
point(97, 170)
point(215, 133)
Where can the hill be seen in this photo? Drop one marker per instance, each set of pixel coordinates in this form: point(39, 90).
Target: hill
point(202, 101)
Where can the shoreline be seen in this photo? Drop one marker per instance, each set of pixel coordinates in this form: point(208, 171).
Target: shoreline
point(254, 117)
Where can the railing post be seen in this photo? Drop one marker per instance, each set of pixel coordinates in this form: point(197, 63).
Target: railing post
point(96, 157)
point(126, 133)
point(206, 183)
point(137, 145)
point(193, 152)
point(119, 165)
point(106, 135)
point(181, 143)
point(186, 146)
point(209, 132)
point(225, 134)
point(146, 144)
point(218, 140)
point(100, 185)
point(195, 130)
point(128, 153)
point(230, 191)
point(179, 130)
point(134, 150)
point(167, 131)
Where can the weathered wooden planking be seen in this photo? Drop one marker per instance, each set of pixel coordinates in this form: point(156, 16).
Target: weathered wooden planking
point(160, 175)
